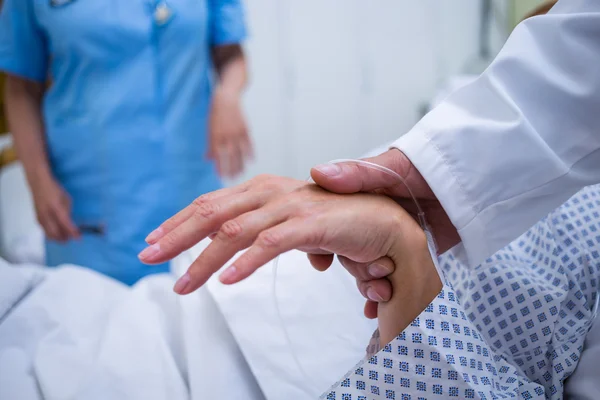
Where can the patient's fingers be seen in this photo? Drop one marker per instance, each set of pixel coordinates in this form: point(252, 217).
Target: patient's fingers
point(270, 243)
point(267, 187)
point(234, 235)
point(187, 212)
point(206, 219)
point(296, 233)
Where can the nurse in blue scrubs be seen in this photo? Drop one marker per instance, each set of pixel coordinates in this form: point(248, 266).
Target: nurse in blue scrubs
point(141, 116)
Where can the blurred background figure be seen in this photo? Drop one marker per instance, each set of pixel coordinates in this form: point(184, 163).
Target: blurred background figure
point(134, 124)
point(129, 98)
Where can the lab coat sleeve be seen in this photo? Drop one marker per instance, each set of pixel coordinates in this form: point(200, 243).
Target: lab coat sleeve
point(22, 43)
point(507, 149)
point(228, 25)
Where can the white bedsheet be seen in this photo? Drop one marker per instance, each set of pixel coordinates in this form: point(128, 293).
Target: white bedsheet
point(72, 334)
point(21, 237)
point(322, 313)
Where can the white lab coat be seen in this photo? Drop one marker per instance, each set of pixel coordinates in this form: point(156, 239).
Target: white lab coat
point(507, 149)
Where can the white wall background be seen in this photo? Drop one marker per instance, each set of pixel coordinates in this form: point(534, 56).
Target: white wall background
point(335, 78)
point(329, 79)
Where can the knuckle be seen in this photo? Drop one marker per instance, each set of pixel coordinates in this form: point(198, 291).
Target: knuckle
point(198, 201)
point(230, 230)
point(263, 178)
point(172, 221)
point(206, 210)
point(362, 288)
point(269, 239)
point(272, 183)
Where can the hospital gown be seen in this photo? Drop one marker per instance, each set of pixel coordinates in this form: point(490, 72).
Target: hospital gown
point(513, 327)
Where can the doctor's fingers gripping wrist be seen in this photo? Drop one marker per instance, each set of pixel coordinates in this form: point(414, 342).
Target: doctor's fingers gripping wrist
point(209, 212)
point(415, 283)
point(353, 178)
point(370, 277)
point(308, 219)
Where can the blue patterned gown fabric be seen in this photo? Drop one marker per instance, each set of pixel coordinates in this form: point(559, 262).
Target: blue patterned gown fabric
point(513, 327)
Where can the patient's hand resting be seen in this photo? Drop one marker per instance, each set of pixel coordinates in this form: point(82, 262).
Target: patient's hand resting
point(272, 215)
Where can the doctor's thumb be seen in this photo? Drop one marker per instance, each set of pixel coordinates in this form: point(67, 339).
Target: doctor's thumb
point(352, 178)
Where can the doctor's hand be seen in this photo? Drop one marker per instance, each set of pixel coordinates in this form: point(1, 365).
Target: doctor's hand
point(229, 143)
point(353, 178)
point(53, 210)
point(372, 278)
point(272, 215)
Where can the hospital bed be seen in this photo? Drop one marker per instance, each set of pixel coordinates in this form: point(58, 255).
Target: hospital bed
point(69, 333)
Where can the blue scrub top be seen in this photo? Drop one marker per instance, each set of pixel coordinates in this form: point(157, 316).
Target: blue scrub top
point(126, 115)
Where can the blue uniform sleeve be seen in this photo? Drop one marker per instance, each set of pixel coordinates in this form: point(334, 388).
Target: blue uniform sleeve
point(23, 50)
point(228, 25)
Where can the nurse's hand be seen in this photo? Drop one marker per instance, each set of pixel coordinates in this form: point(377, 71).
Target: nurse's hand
point(272, 215)
point(53, 210)
point(229, 143)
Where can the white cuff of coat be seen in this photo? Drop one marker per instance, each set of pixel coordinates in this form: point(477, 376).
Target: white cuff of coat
point(430, 162)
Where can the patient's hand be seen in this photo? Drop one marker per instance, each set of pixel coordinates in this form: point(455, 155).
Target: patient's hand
point(271, 215)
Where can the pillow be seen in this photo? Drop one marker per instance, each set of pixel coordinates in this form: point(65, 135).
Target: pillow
point(15, 284)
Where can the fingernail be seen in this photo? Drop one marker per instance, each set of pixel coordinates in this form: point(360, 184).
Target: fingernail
point(182, 284)
point(228, 275)
point(378, 271)
point(329, 169)
point(150, 252)
point(154, 235)
point(373, 295)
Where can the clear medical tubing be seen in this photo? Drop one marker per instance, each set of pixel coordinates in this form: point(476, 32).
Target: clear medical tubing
point(421, 220)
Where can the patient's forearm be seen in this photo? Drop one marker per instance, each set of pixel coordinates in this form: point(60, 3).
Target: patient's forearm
point(23, 109)
point(415, 284)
